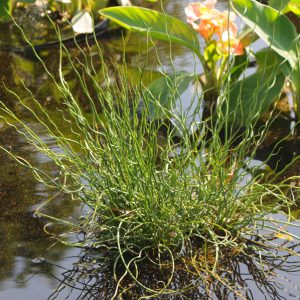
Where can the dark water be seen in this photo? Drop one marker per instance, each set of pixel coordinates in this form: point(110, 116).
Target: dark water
point(31, 261)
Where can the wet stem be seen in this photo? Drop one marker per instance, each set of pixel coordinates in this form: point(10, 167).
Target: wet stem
point(296, 96)
point(211, 83)
point(221, 70)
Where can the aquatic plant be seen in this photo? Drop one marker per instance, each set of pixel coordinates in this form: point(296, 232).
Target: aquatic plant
point(279, 61)
point(153, 193)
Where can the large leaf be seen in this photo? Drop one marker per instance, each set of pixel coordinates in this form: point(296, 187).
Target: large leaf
point(239, 65)
point(286, 5)
point(270, 25)
point(279, 4)
point(163, 92)
point(5, 9)
point(266, 57)
point(155, 24)
point(249, 98)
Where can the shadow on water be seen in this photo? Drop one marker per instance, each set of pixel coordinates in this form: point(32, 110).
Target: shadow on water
point(250, 274)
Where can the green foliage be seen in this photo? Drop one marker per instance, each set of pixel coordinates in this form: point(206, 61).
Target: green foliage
point(251, 97)
point(212, 54)
point(163, 92)
point(271, 26)
point(5, 9)
point(238, 67)
point(281, 36)
point(150, 200)
point(73, 6)
point(279, 4)
point(154, 24)
point(286, 6)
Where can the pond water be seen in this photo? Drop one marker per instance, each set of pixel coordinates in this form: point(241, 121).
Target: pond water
point(31, 261)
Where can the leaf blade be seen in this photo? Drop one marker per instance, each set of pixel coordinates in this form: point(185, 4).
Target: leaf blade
point(163, 92)
point(271, 26)
point(251, 97)
point(154, 23)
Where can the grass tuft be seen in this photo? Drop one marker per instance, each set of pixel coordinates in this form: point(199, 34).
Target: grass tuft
point(154, 193)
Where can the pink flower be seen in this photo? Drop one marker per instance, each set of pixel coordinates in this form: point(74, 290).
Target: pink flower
point(226, 21)
point(229, 44)
point(196, 10)
point(203, 16)
point(209, 21)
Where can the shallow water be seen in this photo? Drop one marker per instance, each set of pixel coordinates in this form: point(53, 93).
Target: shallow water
point(30, 259)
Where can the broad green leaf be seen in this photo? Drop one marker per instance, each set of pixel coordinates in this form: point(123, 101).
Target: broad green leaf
point(135, 74)
point(164, 91)
point(5, 10)
point(279, 4)
point(239, 65)
point(249, 98)
point(267, 57)
point(271, 26)
point(286, 6)
point(155, 24)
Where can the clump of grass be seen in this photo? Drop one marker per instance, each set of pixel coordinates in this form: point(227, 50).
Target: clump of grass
point(153, 190)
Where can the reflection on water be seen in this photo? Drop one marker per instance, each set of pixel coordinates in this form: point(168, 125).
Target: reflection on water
point(31, 262)
point(22, 235)
point(250, 274)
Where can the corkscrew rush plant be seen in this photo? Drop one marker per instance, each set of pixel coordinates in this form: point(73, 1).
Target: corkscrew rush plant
point(151, 199)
